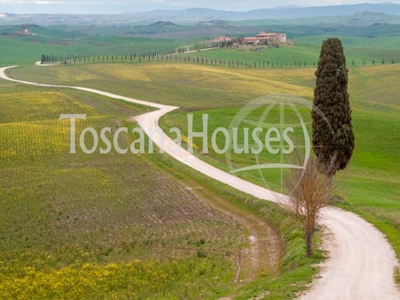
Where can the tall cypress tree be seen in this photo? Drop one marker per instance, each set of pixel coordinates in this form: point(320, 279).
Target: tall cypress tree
point(333, 137)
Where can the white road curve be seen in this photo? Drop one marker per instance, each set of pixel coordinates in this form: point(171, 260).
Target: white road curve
point(361, 262)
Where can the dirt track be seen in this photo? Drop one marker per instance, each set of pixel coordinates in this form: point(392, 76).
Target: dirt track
point(362, 262)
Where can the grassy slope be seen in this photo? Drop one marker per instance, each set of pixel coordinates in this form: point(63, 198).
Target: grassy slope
point(93, 222)
point(306, 52)
point(24, 50)
point(363, 42)
point(372, 179)
point(369, 43)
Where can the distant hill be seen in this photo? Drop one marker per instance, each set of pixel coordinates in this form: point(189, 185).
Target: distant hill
point(163, 24)
point(276, 13)
point(359, 14)
point(220, 23)
point(319, 11)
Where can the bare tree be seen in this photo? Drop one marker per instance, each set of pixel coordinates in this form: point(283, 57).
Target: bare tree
point(309, 191)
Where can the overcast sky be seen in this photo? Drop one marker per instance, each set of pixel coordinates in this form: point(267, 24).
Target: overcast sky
point(119, 6)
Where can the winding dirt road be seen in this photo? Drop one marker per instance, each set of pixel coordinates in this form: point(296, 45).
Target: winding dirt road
point(361, 264)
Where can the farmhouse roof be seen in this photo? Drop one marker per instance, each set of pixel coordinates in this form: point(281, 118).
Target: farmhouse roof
point(222, 39)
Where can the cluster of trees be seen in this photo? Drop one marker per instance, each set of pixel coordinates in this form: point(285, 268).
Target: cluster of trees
point(208, 45)
point(52, 58)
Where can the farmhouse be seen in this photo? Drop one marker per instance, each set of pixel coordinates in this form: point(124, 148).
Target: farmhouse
point(24, 31)
point(249, 41)
point(264, 38)
point(220, 39)
point(270, 37)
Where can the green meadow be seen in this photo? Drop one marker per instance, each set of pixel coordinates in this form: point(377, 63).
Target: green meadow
point(146, 227)
point(64, 40)
point(369, 184)
point(369, 40)
point(305, 53)
point(126, 226)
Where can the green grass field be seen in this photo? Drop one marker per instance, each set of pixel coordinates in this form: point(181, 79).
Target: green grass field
point(105, 224)
point(362, 41)
point(370, 183)
point(144, 226)
point(25, 50)
point(305, 53)
point(124, 226)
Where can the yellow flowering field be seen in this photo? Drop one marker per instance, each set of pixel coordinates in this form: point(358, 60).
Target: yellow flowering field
point(98, 226)
point(27, 140)
point(135, 280)
point(26, 105)
point(117, 71)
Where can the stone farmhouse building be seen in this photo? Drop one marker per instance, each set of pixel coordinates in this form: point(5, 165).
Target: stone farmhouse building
point(264, 38)
point(220, 39)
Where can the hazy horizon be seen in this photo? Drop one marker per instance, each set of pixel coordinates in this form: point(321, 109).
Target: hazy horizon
point(105, 7)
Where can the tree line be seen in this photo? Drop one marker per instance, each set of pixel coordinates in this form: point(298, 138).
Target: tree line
point(149, 55)
point(176, 55)
point(88, 58)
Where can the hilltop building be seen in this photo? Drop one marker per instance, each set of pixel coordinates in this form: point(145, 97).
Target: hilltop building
point(263, 38)
point(24, 31)
point(220, 39)
point(271, 37)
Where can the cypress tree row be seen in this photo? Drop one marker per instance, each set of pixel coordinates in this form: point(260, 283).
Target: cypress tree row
point(333, 137)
